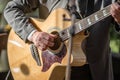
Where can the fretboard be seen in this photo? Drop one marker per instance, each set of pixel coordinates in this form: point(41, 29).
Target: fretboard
point(86, 22)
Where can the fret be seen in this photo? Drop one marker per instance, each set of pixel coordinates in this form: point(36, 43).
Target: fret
point(104, 12)
point(86, 22)
point(89, 22)
point(94, 18)
point(79, 25)
point(64, 34)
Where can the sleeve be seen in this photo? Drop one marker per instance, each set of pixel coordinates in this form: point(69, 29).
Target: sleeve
point(15, 14)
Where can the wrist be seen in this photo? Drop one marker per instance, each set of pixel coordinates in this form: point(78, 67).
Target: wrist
point(30, 37)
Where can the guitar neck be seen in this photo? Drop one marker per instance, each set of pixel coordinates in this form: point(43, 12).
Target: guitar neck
point(86, 22)
point(92, 19)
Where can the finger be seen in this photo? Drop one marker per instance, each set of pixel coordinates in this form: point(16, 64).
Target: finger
point(117, 20)
point(42, 46)
point(36, 43)
point(115, 12)
point(115, 8)
point(50, 37)
point(54, 36)
point(48, 43)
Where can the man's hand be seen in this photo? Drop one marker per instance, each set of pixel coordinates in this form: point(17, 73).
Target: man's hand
point(115, 12)
point(43, 40)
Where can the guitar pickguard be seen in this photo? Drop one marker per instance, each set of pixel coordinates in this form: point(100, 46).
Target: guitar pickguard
point(50, 58)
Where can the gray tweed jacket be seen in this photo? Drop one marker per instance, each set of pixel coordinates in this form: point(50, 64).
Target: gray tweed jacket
point(15, 13)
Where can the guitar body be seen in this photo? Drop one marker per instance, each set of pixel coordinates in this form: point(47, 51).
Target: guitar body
point(53, 67)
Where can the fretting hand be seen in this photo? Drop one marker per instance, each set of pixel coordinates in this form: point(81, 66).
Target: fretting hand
point(115, 12)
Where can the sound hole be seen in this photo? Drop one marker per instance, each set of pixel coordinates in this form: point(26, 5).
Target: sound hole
point(57, 41)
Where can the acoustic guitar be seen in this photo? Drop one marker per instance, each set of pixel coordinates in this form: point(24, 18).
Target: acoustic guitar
point(53, 61)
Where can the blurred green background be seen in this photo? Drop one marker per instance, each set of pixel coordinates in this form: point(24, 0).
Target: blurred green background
point(114, 40)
